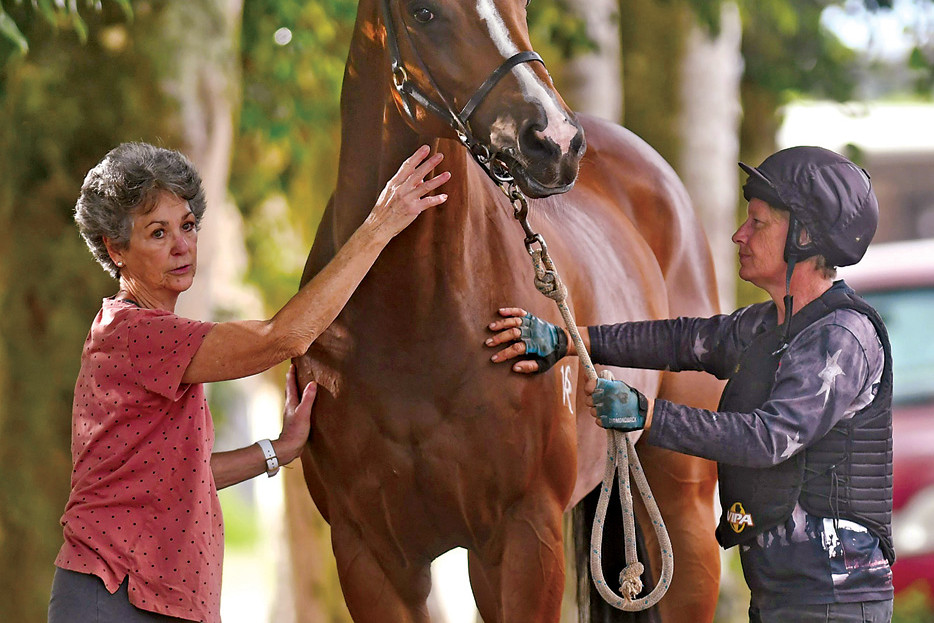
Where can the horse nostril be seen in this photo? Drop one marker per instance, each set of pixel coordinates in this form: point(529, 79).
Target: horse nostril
point(534, 144)
point(577, 144)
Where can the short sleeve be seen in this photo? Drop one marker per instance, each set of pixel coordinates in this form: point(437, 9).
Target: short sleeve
point(160, 349)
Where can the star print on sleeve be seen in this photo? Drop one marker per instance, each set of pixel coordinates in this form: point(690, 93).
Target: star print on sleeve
point(700, 348)
point(792, 446)
point(829, 375)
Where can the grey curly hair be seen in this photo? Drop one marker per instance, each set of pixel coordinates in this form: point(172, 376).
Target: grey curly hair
point(125, 183)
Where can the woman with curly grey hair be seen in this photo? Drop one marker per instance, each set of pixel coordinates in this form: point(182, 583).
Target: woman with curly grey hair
point(143, 532)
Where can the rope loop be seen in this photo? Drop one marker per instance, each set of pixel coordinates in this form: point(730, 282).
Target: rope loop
point(621, 454)
point(621, 462)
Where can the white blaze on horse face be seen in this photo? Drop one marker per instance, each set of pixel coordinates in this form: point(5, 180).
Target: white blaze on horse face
point(559, 128)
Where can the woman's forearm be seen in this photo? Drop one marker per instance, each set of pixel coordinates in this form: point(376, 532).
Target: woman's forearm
point(232, 467)
point(241, 348)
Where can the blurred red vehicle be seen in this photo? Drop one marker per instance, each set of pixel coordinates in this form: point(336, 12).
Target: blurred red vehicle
point(898, 280)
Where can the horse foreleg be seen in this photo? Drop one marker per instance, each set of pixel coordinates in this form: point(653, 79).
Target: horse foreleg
point(519, 575)
point(376, 591)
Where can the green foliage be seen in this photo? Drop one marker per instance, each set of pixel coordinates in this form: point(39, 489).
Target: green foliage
point(64, 105)
point(707, 12)
point(241, 528)
point(922, 62)
point(59, 15)
point(553, 25)
point(914, 605)
point(289, 127)
point(10, 30)
point(788, 53)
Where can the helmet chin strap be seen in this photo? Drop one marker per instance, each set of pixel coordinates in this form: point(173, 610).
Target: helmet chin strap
point(789, 304)
point(794, 251)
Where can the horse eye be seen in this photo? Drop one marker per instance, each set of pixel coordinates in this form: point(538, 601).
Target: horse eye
point(423, 15)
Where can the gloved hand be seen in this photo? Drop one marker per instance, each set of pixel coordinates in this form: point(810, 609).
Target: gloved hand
point(619, 406)
point(544, 342)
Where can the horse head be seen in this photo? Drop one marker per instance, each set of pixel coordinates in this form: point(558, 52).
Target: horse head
point(469, 64)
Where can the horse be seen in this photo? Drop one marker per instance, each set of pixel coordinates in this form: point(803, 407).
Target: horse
point(420, 444)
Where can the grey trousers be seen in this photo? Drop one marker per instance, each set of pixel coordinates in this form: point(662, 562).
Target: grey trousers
point(83, 598)
point(856, 612)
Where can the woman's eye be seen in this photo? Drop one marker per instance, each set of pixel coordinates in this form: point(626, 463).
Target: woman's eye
point(423, 15)
point(159, 233)
point(188, 226)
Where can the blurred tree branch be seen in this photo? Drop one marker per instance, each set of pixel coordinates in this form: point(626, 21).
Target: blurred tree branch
point(59, 14)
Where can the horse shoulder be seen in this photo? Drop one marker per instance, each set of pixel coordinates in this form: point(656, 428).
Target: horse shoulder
point(652, 195)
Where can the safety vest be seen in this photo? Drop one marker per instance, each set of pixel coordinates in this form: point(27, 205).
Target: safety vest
point(847, 474)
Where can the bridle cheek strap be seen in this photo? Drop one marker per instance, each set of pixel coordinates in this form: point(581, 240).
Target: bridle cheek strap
point(407, 89)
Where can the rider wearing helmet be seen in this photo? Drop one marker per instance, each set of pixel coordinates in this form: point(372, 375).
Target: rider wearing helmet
point(803, 433)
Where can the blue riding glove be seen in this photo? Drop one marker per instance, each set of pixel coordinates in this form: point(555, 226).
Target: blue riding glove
point(544, 342)
point(619, 406)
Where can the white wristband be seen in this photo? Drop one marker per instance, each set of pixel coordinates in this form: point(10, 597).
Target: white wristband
point(272, 461)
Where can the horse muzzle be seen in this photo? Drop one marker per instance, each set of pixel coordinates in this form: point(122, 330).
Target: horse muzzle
point(543, 163)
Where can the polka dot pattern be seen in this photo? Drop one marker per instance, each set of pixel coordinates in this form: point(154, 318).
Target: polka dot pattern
point(143, 502)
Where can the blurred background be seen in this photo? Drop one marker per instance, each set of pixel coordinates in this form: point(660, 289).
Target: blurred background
point(249, 90)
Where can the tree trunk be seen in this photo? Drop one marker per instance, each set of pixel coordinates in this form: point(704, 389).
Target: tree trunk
point(592, 82)
point(206, 85)
point(709, 121)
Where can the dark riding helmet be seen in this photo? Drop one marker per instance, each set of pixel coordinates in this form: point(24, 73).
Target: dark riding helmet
point(826, 193)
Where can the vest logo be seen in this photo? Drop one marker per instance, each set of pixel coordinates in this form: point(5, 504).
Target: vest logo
point(738, 518)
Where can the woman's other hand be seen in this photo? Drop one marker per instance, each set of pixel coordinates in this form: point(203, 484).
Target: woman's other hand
point(537, 343)
point(406, 194)
point(296, 418)
point(507, 330)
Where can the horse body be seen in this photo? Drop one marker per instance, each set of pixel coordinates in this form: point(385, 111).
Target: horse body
point(420, 443)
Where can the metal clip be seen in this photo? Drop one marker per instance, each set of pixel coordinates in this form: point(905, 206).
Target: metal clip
point(399, 77)
point(530, 242)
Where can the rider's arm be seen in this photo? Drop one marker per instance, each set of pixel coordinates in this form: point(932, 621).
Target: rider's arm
point(707, 344)
point(826, 373)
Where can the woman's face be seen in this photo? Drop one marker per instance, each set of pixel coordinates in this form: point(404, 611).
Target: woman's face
point(162, 256)
point(761, 240)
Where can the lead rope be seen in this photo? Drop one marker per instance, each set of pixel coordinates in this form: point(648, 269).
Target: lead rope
point(620, 451)
point(620, 454)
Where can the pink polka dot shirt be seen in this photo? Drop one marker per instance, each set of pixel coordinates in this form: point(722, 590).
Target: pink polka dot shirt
point(143, 502)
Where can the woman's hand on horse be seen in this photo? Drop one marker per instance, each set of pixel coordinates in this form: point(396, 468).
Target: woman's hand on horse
point(615, 405)
point(407, 193)
point(538, 344)
point(296, 418)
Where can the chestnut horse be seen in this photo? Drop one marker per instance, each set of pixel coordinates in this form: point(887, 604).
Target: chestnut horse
point(420, 443)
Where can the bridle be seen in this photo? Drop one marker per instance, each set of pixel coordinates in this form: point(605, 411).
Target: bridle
point(459, 122)
point(408, 90)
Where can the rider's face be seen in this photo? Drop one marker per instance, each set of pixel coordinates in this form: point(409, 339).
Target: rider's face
point(761, 241)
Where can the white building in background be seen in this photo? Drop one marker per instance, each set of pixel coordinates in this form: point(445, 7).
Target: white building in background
point(894, 142)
